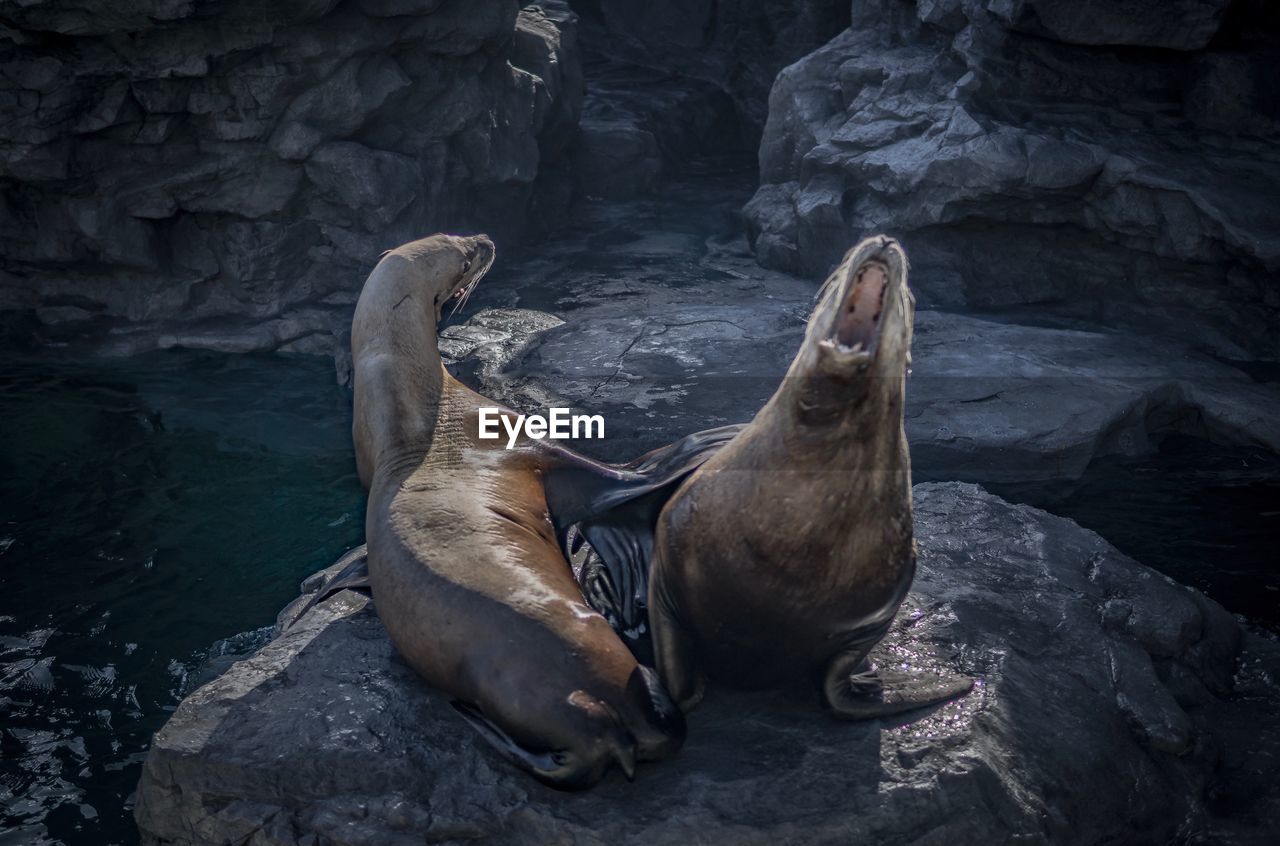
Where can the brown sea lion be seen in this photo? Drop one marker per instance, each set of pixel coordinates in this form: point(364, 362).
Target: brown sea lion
point(784, 557)
point(466, 540)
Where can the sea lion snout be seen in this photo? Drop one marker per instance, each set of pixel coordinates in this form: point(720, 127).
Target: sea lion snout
point(866, 309)
point(478, 254)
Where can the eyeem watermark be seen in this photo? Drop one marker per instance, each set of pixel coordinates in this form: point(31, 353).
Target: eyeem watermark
point(558, 425)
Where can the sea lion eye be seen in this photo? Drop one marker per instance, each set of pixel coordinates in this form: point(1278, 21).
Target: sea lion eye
point(466, 265)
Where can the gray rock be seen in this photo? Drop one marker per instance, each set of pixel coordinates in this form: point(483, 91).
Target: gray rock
point(1072, 734)
point(639, 127)
point(172, 174)
point(1029, 172)
point(376, 183)
point(1181, 25)
point(736, 45)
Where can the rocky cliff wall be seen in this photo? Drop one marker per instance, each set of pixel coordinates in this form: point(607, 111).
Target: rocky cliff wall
point(737, 45)
point(169, 167)
point(1118, 162)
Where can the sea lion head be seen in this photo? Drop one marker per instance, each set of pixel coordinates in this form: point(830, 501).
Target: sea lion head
point(445, 267)
point(857, 346)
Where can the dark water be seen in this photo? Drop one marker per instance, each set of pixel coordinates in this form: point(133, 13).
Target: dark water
point(1208, 515)
point(129, 543)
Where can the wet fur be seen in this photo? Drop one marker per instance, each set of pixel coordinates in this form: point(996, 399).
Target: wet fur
point(805, 584)
point(466, 569)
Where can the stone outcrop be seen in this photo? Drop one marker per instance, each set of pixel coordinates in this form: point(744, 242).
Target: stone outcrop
point(168, 169)
point(1108, 709)
point(1118, 162)
point(737, 45)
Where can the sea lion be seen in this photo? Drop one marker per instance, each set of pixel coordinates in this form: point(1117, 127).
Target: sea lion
point(466, 540)
point(784, 557)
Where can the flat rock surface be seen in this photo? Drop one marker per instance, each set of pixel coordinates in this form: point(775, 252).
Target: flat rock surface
point(1096, 718)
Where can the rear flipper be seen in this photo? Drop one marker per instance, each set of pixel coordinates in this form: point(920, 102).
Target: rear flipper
point(561, 769)
point(854, 689)
point(354, 575)
point(616, 509)
point(633, 626)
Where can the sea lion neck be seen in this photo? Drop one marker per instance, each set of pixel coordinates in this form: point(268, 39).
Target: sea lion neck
point(397, 373)
point(831, 437)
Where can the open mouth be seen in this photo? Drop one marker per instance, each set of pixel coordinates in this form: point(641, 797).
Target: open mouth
point(856, 333)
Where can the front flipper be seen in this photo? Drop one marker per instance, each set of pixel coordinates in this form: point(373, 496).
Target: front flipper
point(855, 689)
point(544, 765)
point(354, 575)
point(560, 768)
point(674, 651)
point(616, 509)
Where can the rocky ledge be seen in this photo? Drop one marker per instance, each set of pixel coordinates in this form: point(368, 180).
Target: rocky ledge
point(1112, 705)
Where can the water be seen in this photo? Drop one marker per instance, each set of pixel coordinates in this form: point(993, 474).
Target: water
point(147, 509)
point(1205, 514)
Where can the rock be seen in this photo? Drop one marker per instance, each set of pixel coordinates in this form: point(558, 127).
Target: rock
point(1071, 735)
point(640, 126)
point(1041, 155)
point(738, 46)
point(170, 173)
point(1182, 25)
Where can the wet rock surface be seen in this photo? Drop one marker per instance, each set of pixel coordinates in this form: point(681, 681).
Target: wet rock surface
point(1108, 708)
point(1043, 154)
point(226, 173)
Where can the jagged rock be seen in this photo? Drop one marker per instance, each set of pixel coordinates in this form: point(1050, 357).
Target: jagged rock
point(1027, 170)
point(167, 171)
point(1104, 712)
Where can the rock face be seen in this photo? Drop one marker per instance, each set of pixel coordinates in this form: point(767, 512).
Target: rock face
point(737, 45)
point(1043, 154)
point(1102, 714)
point(640, 126)
point(178, 165)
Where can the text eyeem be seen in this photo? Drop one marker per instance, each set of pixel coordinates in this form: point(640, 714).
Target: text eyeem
point(559, 424)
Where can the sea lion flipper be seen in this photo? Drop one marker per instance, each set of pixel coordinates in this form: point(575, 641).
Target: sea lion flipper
point(353, 576)
point(541, 764)
point(616, 509)
point(560, 769)
point(866, 692)
point(674, 655)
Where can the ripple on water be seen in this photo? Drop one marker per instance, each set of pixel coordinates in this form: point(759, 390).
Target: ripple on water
point(148, 509)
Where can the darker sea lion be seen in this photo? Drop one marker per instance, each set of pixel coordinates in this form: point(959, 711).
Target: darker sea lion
point(466, 540)
point(784, 557)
